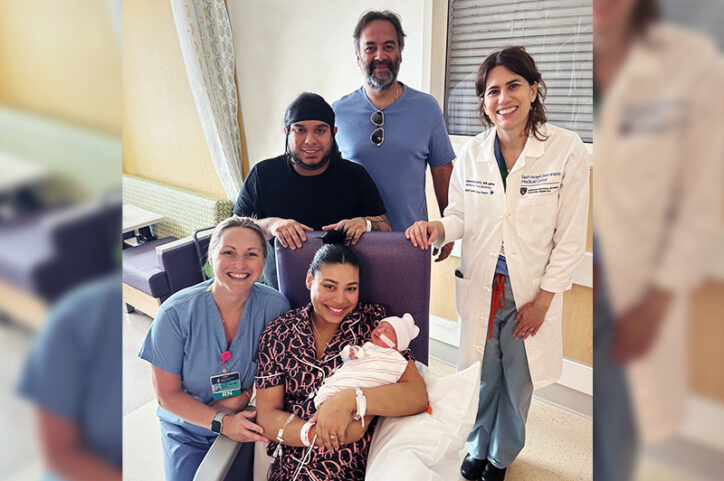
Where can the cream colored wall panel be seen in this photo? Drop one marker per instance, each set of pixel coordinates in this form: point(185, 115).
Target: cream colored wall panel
point(442, 285)
point(162, 135)
point(578, 324)
point(706, 331)
point(63, 60)
point(284, 48)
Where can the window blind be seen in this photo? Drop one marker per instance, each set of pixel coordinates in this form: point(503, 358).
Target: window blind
point(558, 34)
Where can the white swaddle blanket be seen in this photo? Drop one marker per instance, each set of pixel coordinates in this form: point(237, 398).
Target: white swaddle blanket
point(375, 366)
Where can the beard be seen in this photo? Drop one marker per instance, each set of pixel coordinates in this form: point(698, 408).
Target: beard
point(383, 80)
point(297, 160)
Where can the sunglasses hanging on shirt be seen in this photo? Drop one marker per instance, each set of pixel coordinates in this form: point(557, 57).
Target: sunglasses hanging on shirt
point(378, 135)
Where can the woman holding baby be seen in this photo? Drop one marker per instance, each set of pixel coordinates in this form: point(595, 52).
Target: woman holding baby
point(301, 349)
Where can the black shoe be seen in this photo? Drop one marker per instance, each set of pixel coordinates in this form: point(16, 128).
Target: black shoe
point(491, 473)
point(472, 467)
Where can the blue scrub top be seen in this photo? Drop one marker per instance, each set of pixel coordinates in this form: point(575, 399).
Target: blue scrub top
point(502, 266)
point(74, 367)
point(187, 338)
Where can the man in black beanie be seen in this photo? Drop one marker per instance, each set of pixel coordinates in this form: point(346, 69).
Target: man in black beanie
point(309, 187)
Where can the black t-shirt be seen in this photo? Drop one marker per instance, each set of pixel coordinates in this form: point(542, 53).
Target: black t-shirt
point(343, 191)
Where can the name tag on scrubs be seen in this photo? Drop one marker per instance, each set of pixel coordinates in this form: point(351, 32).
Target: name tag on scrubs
point(226, 385)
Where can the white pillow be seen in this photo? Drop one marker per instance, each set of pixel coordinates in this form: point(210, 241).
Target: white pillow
point(426, 447)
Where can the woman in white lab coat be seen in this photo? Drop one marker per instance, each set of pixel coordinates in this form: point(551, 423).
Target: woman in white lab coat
point(519, 200)
point(657, 209)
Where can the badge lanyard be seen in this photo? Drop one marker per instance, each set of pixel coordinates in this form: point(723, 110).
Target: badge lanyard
point(227, 384)
point(225, 357)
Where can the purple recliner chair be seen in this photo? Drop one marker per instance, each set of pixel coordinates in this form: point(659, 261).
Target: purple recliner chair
point(393, 273)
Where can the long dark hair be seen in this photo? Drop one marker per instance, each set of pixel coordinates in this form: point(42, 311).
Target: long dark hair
point(518, 61)
point(333, 252)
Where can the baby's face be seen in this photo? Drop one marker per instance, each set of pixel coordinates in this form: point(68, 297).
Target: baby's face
point(384, 329)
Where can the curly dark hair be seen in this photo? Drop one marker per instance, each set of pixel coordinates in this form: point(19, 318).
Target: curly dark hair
point(518, 61)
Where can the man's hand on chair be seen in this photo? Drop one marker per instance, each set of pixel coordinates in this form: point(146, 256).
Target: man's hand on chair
point(291, 234)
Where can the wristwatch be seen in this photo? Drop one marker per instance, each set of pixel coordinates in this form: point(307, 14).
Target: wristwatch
point(369, 224)
point(217, 423)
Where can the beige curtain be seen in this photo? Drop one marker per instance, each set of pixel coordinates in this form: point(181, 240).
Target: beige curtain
point(207, 48)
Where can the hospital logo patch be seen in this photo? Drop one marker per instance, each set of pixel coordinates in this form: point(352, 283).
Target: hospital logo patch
point(543, 183)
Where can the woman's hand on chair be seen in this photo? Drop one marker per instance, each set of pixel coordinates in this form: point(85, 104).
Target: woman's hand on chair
point(333, 418)
point(239, 428)
point(423, 233)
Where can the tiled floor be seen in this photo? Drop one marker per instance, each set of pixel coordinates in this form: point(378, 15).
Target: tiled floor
point(558, 445)
point(142, 453)
point(137, 387)
point(19, 456)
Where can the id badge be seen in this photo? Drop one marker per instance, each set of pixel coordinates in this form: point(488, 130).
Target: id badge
point(226, 385)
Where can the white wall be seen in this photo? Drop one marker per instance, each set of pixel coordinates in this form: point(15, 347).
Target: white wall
point(284, 48)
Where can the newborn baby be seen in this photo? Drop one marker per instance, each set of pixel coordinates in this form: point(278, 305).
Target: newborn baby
point(375, 363)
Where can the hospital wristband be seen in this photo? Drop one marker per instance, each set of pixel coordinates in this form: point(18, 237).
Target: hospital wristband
point(361, 401)
point(305, 434)
point(280, 433)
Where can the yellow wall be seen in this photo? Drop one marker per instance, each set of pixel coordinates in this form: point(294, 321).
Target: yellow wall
point(706, 331)
point(162, 135)
point(61, 59)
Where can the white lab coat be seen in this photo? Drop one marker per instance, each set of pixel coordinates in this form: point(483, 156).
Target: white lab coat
point(542, 218)
point(658, 174)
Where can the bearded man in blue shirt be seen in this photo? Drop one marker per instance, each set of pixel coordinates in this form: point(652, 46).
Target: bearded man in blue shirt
point(391, 129)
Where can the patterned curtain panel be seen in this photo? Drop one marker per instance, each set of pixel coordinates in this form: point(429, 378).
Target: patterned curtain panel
point(208, 52)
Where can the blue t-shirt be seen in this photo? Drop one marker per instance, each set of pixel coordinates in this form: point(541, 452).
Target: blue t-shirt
point(187, 338)
point(415, 136)
point(74, 367)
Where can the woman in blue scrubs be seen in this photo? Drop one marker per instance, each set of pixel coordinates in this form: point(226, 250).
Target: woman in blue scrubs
point(73, 376)
point(203, 344)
